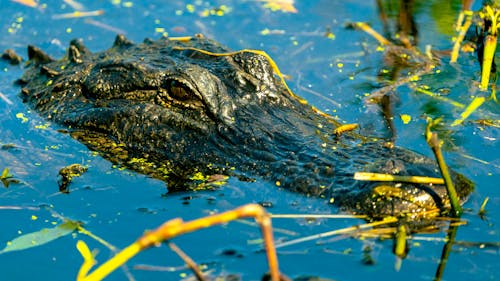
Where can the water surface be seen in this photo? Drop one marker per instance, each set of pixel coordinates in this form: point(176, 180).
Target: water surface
point(334, 73)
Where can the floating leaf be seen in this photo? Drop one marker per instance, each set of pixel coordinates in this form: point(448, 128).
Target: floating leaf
point(7, 178)
point(281, 5)
point(5, 174)
point(40, 237)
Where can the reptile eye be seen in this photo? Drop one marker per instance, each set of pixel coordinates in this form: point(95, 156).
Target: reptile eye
point(180, 91)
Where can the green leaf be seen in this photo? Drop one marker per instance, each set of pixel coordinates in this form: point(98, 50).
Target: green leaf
point(5, 173)
point(41, 237)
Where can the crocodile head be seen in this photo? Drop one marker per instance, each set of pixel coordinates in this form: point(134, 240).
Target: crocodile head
point(173, 108)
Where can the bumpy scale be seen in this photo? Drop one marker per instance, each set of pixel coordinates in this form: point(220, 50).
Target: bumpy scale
point(173, 109)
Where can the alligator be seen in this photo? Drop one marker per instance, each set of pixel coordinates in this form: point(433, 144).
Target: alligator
point(187, 110)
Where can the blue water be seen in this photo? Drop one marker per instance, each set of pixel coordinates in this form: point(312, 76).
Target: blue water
point(119, 205)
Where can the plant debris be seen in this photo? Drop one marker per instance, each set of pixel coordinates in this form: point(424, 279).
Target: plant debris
point(67, 174)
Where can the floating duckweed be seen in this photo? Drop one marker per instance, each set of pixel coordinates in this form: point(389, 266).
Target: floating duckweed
point(198, 176)
point(143, 162)
point(205, 13)
point(223, 9)
point(190, 8)
point(405, 118)
point(414, 78)
point(21, 116)
point(42, 126)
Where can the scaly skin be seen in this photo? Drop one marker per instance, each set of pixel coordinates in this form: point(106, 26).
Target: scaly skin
point(171, 112)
